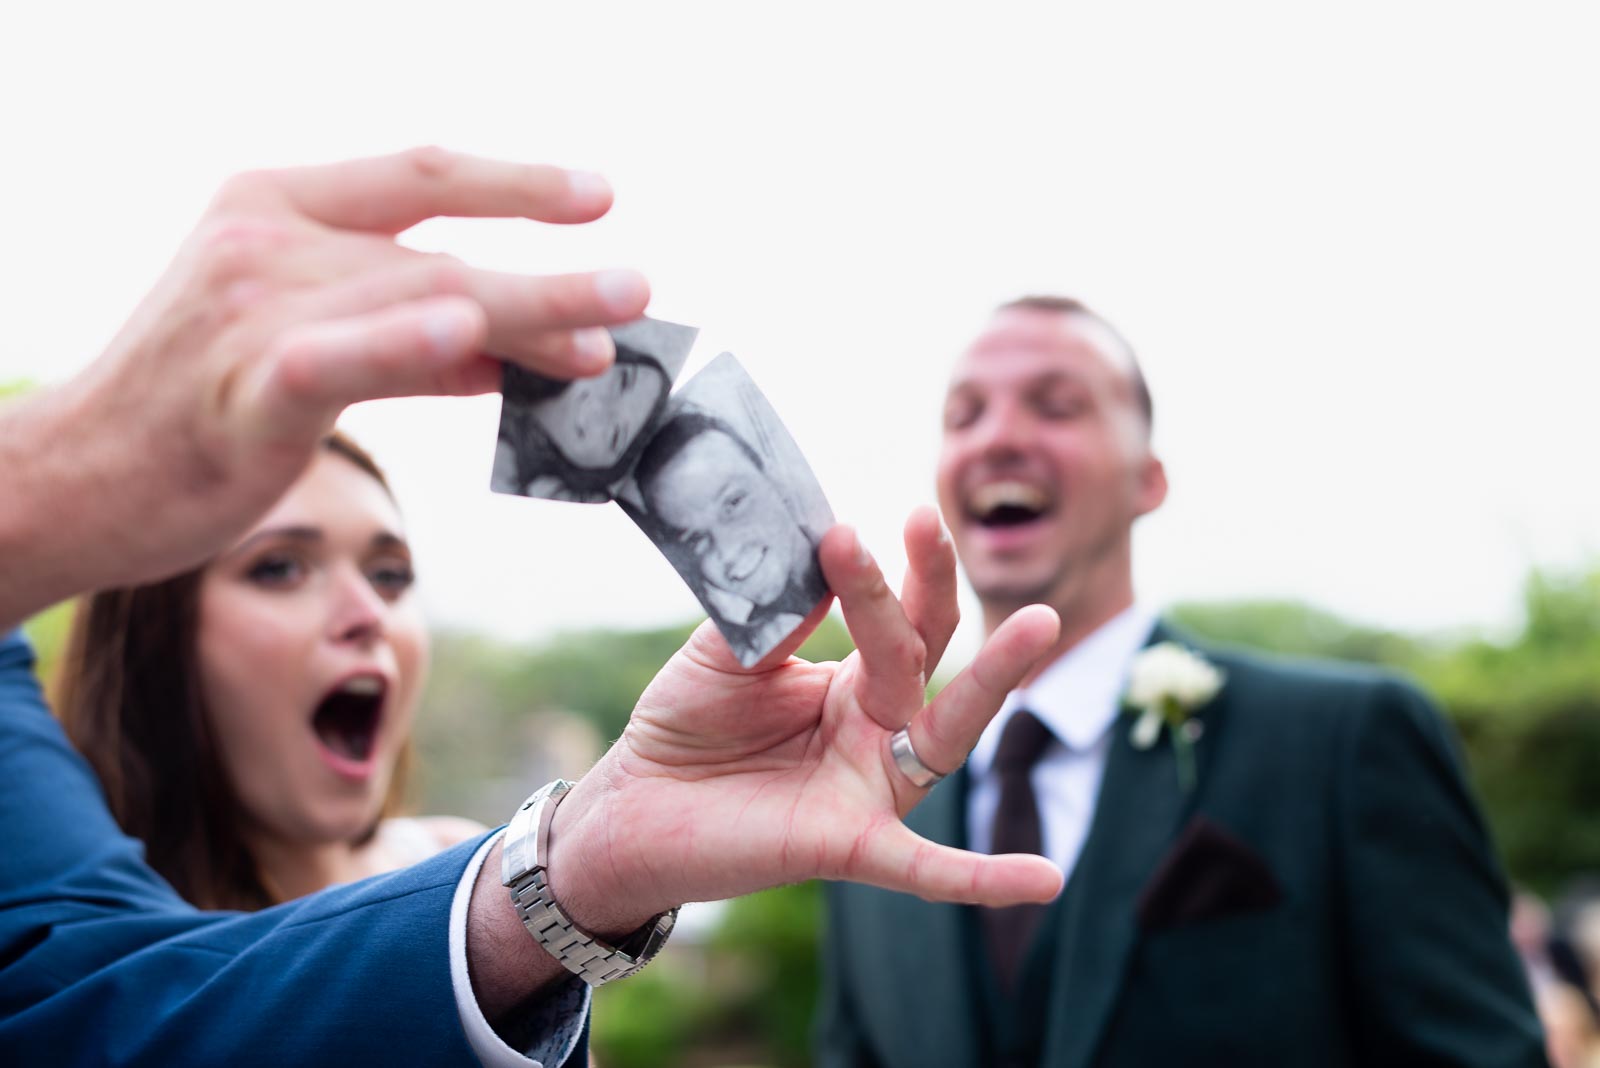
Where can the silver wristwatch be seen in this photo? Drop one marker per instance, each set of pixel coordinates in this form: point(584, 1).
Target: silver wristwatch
point(523, 855)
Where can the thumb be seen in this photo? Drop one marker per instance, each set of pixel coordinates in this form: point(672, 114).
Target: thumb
point(897, 858)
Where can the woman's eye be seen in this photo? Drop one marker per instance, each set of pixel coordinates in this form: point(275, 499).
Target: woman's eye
point(627, 378)
point(733, 502)
point(392, 580)
point(276, 571)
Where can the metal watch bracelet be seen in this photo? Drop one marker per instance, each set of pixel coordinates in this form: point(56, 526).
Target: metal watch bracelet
point(524, 856)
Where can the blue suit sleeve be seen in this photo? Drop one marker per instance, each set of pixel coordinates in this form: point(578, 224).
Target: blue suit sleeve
point(102, 962)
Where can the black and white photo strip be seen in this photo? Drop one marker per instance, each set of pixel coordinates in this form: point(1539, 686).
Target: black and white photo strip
point(577, 441)
point(724, 492)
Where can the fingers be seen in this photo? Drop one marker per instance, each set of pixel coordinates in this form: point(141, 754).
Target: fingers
point(522, 312)
point(889, 685)
point(311, 372)
point(387, 194)
point(551, 324)
point(929, 591)
point(895, 858)
point(707, 646)
point(945, 732)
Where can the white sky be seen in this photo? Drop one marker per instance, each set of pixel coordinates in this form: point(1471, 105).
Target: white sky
point(1358, 250)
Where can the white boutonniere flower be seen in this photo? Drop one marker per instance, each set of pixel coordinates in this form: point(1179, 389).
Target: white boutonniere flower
point(1166, 683)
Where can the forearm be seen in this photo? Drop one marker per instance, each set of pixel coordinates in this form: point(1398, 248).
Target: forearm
point(97, 496)
point(86, 509)
point(508, 967)
point(44, 487)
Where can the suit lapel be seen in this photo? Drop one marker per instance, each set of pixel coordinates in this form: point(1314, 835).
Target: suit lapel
point(1140, 809)
point(941, 959)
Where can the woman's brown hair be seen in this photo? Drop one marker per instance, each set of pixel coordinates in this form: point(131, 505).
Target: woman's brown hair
point(129, 697)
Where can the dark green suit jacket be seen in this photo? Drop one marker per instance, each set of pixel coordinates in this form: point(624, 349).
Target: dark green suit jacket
point(1326, 895)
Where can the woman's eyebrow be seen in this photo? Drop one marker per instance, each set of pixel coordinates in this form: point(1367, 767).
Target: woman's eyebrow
point(289, 533)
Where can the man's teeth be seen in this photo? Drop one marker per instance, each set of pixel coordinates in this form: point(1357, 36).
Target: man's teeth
point(992, 496)
point(363, 686)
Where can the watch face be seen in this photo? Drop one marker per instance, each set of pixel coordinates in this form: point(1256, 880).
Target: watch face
point(527, 837)
point(523, 850)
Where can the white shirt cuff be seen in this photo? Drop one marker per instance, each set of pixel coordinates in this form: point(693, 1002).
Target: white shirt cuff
point(558, 1018)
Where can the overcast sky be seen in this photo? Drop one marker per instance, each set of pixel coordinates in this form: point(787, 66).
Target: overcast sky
point(1358, 250)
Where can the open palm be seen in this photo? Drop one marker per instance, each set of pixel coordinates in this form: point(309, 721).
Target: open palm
point(730, 779)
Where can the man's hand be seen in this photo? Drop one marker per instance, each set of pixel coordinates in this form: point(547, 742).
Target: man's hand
point(290, 301)
point(729, 780)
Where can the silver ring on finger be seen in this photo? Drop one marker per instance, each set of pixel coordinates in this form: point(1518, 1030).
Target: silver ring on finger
point(911, 765)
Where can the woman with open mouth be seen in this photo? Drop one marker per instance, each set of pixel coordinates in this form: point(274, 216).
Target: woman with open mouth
point(251, 719)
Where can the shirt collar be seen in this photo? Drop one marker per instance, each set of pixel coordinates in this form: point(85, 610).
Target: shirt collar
point(1080, 694)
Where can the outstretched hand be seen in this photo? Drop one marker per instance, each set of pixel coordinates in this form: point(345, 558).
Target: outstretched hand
point(290, 301)
point(729, 780)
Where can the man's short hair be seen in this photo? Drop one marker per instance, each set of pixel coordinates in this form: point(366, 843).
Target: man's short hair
point(675, 434)
point(1045, 302)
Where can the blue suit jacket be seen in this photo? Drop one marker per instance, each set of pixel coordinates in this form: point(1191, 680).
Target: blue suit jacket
point(101, 961)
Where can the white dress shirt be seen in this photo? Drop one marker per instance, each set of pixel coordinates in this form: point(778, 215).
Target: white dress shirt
point(560, 1014)
point(1079, 697)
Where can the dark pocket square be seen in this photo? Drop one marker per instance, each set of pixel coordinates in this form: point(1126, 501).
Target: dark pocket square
point(1206, 874)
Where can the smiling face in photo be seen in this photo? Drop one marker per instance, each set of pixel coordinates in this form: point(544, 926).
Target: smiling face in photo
point(594, 421)
point(311, 656)
point(729, 514)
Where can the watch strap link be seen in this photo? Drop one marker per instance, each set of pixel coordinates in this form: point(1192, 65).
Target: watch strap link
point(581, 953)
point(524, 858)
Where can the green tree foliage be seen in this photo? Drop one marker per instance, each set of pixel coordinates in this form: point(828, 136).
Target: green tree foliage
point(1529, 714)
point(745, 997)
point(47, 631)
point(1294, 629)
point(773, 936)
point(490, 708)
point(598, 674)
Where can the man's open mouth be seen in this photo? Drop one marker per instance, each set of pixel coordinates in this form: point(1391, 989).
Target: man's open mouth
point(346, 721)
point(1008, 504)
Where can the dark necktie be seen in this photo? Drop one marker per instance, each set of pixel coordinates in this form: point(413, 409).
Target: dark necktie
point(1009, 931)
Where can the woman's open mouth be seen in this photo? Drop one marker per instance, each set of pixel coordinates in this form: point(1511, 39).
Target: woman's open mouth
point(346, 723)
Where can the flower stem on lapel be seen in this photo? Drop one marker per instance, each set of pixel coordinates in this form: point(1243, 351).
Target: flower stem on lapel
point(1183, 755)
point(1166, 684)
